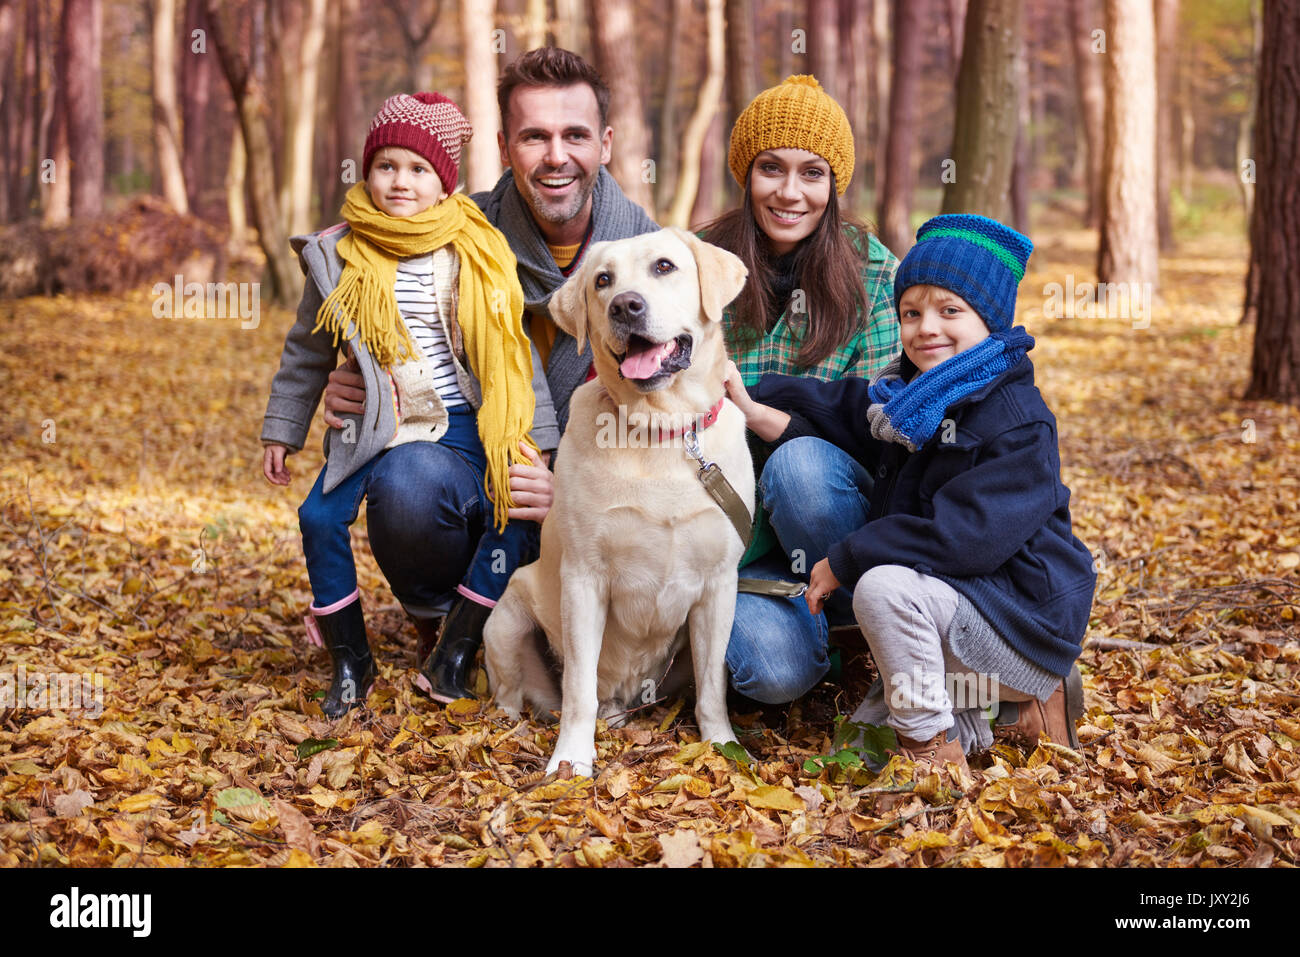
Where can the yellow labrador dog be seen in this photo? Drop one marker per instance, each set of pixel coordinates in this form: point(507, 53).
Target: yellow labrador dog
point(634, 552)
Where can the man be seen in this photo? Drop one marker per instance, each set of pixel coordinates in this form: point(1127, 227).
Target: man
point(553, 202)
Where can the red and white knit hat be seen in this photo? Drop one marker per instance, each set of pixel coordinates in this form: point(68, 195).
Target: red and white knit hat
point(427, 123)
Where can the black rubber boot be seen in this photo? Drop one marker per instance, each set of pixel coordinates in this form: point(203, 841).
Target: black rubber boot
point(344, 636)
point(449, 664)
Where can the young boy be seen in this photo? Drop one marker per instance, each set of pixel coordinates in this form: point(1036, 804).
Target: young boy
point(966, 580)
point(423, 290)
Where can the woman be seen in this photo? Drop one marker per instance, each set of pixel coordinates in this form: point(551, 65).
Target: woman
point(818, 302)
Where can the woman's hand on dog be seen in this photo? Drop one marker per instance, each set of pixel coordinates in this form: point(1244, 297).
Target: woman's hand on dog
point(532, 487)
point(763, 420)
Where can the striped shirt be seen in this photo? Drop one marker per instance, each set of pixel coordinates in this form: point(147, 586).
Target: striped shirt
point(417, 301)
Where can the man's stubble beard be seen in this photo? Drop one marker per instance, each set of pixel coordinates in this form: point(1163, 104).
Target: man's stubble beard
point(558, 215)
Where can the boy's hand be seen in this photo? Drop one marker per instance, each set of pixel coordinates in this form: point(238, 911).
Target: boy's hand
point(345, 392)
point(763, 420)
point(531, 486)
point(821, 585)
point(273, 467)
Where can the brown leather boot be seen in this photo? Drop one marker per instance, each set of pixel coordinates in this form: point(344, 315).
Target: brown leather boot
point(1021, 722)
point(934, 753)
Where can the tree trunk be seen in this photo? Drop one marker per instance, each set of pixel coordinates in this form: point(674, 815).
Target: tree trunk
point(784, 42)
point(196, 87)
point(666, 166)
point(1130, 249)
point(1246, 174)
point(894, 199)
point(824, 45)
point(532, 33)
point(482, 163)
point(698, 125)
point(1187, 142)
point(1246, 125)
point(236, 207)
point(712, 195)
point(571, 26)
point(956, 33)
point(329, 153)
point(253, 110)
point(742, 49)
point(120, 164)
point(52, 156)
point(855, 66)
point(1092, 102)
point(10, 152)
point(83, 29)
point(1275, 223)
point(1021, 163)
point(301, 33)
point(984, 134)
point(23, 189)
point(614, 37)
point(880, 51)
point(349, 121)
point(1166, 13)
point(166, 117)
point(417, 40)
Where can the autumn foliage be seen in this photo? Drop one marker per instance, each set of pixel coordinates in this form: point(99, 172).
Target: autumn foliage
point(140, 544)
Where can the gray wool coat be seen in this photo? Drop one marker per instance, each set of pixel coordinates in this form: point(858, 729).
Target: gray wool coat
point(308, 359)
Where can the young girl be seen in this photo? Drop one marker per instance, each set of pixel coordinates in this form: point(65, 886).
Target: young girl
point(423, 292)
point(818, 303)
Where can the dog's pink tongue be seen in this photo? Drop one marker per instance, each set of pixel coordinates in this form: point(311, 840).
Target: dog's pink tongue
point(642, 365)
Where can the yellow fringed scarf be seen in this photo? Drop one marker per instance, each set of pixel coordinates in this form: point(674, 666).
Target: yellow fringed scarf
point(490, 313)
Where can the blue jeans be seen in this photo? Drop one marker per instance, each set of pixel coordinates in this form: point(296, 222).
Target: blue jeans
point(816, 495)
point(430, 525)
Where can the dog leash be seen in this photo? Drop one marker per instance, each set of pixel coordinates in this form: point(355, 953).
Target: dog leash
point(728, 499)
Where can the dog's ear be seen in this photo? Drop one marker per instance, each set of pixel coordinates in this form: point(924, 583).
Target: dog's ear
point(569, 306)
point(722, 274)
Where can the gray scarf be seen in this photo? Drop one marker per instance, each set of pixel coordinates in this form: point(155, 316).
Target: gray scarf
point(614, 216)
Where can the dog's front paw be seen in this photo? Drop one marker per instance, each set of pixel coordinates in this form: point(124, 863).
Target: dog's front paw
point(568, 766)
point(718, 732)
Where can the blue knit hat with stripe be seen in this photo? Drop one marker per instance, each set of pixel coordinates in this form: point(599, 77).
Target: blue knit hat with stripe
point(976, 257)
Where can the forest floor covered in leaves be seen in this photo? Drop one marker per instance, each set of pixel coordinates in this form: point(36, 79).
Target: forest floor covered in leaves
point(141, 547)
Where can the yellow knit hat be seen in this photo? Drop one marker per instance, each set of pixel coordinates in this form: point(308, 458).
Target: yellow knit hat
point(795, 114)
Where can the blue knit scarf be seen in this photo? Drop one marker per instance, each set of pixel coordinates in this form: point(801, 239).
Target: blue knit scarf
point(909, 412)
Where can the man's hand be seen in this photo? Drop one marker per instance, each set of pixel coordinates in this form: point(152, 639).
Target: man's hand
point(531, 487)
point(273, 467)
point(346, 392)
point(821, 585)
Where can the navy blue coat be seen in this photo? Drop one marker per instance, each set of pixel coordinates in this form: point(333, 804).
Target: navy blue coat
point(985, 511)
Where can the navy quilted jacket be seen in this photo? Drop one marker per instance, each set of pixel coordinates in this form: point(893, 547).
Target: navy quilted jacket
point(980, 506)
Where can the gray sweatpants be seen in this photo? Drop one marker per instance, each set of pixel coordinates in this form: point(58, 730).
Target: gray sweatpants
point(925, 688)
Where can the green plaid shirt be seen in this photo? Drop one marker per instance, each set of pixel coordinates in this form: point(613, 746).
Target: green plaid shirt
point(867, 352)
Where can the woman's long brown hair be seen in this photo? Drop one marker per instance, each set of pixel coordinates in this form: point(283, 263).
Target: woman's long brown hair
point(826, 266)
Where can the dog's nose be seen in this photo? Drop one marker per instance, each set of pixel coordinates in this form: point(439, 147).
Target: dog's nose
point(627, 307)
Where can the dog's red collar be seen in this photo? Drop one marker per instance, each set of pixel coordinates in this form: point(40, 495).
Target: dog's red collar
point(701, 422)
